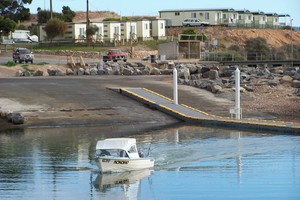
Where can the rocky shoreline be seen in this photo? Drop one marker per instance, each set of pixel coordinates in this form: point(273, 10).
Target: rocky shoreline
point(219, 80)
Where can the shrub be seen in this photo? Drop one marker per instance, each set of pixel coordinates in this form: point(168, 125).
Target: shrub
point(257, 49)
point(10, 64)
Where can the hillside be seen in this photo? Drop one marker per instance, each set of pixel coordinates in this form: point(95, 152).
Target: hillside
point(228, 36)
point(225, 36)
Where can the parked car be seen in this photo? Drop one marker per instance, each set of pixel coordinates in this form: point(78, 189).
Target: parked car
point(194, 22)
point(115, 55)
point(22, 55)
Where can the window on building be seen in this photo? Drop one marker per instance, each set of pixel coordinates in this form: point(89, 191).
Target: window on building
point(99, 29)
point(249, 17)
point(132, 29)
point(240, 17)
point(82, 31)
point(206, 15)
point(264, 18)
point(276, 19)
point(193, 15)
point(116, 30)
point(177, 13)
point(234, 16)
point(161, 25)
point(146, 26)
point(224, 16)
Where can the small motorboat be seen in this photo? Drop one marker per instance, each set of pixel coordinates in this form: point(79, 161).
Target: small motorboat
point(120, 155)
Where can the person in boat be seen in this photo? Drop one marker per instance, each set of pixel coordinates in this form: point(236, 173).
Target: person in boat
point(104, 153)
point(123, 154)
point(141, 154)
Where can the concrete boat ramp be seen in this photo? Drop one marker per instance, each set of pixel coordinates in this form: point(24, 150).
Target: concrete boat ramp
point(194, 116)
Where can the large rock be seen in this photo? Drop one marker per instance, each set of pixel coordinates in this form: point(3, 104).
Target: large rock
point(155, 71)
point(296, 84)
point(23, 73)
point(213, 74)
point(166, 71)
point(93, 71)
point(145, 72)
point(297, 76)
point(55, 72)
point(101, 72)
point(108, 71)
point(286, 79)
point(127, 71)
point(186, 74)
point(15, 118)
point(87, 71)
point(69, 72)
point(216, 88)
point(38, 73)
point(273, 83)
point(80, 71)
point(204, 69)
point(193, 69)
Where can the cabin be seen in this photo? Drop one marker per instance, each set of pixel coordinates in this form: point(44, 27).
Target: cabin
point(224, 16)
point(111, 31)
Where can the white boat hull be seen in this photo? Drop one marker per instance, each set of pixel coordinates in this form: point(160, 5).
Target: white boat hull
point(123, 164)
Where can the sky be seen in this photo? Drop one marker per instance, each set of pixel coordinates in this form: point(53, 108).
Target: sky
point(152, 7)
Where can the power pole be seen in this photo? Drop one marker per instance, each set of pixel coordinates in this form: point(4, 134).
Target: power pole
point(87, 22)
point(51, 15)
point(87, 13)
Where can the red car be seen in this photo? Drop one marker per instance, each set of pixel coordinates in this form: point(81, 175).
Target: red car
point(115, 55)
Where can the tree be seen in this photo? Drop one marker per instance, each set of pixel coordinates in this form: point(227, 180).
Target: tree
point(257, 49)
point(7, 25)
point(44, 16)
point(189, 31)
point(15, 10)
point(90, 31)
point(67, 14)
point(55, 27)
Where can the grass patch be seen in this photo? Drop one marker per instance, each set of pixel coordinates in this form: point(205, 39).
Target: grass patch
point(10, 64)
point(152, 44)
point(74, 48)
point(27, 69)
point(41, 63)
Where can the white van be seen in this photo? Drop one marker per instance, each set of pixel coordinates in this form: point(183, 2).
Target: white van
point(194, 22)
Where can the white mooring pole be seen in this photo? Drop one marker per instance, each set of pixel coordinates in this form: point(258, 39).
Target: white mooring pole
point(237, 94)
point(175, 87)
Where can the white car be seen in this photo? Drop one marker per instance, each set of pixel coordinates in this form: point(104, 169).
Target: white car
point(194, 22)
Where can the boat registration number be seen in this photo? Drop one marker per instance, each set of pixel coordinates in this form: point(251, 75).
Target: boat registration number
point(121, 162)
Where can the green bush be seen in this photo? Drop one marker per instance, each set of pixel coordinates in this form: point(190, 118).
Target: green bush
point(10, 64)
point(257, 49)
point(226, 56)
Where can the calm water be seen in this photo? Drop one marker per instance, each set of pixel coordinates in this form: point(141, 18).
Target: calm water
point(191, 163)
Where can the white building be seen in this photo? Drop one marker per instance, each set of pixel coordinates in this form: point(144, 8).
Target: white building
point(143, 30)
point(224, 16)
point(158, 29)
point(112, 31)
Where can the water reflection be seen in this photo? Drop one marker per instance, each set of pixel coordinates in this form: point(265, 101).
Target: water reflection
point(126, 184)
point(190, 160)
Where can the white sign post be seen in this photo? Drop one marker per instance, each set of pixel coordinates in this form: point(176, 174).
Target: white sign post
point(237, 94)
point(175, 87)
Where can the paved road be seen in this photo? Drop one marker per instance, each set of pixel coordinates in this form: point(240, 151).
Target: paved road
point(86, 100)
point(40, 58)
